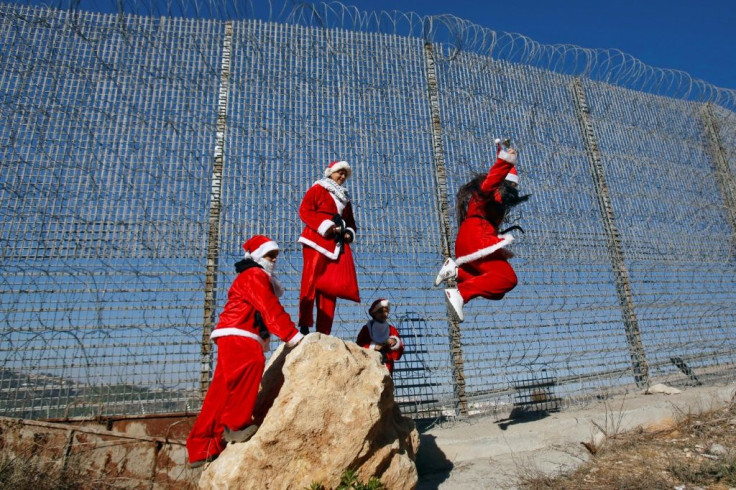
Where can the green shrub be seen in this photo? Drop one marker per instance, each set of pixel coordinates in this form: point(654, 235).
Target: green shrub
point(349, 481)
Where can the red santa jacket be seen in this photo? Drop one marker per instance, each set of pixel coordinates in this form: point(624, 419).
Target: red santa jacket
point(316, 211)
point(478, 236)
point(251, 293)
point(365, 339)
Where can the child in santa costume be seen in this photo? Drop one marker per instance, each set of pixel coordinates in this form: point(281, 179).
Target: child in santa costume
point(379, 335)
point(252, 312)
point(481, 267)
point(328, 272)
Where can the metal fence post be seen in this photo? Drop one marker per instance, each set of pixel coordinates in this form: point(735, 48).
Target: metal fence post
point(213, 235)
point(443, 211)
point(723, 175)
point(621, 274)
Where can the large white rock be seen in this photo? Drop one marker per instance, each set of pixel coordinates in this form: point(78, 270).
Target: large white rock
point(324, 407)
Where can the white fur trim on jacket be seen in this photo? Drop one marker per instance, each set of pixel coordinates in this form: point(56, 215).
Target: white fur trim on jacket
point(330, 255)
point(238, 332)
point(398, 343)
point(507, 157)
point(507, 240)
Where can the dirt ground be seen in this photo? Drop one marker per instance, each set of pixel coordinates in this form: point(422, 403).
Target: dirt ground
point(487, 454)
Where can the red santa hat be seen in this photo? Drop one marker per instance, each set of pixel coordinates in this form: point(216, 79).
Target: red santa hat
point(512, 176)
point(337, 165)
point(378, 304)
point(259, 245)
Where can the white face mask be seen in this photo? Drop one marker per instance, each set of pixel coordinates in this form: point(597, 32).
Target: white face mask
point(267, 265)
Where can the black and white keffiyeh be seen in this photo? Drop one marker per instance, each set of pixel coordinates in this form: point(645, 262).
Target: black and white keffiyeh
point(340, 193)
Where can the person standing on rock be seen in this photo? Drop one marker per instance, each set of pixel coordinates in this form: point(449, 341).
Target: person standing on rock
point(252, 312)
point(381, 336)
point(328, 272)
point(481, 266)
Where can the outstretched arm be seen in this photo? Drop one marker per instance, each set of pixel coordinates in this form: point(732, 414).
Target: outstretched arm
point(500, 169)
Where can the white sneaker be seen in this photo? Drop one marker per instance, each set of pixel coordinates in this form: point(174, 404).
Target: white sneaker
point(456, 302)
point(448, 271)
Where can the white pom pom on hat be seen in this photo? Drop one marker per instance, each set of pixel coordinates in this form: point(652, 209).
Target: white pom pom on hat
point(378, 304)
point(337, 165)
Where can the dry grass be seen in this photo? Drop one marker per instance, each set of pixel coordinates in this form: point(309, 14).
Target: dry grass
point(31, 472)
point(698, 451)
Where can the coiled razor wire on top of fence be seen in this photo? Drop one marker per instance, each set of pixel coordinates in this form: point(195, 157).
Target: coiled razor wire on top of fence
point(143, 143)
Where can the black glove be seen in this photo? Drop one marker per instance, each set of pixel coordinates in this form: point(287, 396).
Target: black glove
point(384, 354)
point(340, 228)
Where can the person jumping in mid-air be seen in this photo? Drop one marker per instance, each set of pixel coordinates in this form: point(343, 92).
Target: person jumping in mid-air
point(481, 267)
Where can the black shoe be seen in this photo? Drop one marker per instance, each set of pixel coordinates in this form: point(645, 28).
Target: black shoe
point(304, 330)
point(241, 435)
point(202, 462)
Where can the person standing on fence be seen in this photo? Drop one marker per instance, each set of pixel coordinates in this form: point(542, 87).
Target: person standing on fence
point(252, 312)
point(380, 335)
point(328, 272)
point(481, 267)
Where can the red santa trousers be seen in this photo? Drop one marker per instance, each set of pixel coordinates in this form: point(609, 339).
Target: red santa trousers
point(231, 397)
point(314, 266)
point(490, 279)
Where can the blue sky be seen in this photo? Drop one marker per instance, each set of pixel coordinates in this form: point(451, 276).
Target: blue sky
point(696, 37)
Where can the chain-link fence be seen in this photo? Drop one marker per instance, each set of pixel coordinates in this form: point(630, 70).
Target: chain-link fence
point(140, 149)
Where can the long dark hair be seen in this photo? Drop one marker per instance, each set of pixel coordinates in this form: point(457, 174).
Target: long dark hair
point(493, 209)
point(464, 193)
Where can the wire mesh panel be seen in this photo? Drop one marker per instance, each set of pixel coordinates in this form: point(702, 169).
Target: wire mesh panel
point(563, 248)
point(674, 228)
point(303, 97)
point(105, 153)
point(535, 392)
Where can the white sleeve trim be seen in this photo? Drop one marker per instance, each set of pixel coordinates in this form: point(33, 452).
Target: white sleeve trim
point(324, 226)
point(507, 157)
point(398, 342)
point(295, 339)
